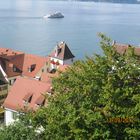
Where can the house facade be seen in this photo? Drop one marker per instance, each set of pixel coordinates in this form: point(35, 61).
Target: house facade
point(25, 94)
point(15, 64)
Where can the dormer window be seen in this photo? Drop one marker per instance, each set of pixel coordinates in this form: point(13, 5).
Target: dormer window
point(32, 68)
point(14, 68)
point(40, 101)
point(38, 78)
point(27, 98)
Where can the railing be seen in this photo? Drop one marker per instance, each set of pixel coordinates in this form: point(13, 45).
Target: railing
point(3, 93)
point(4, 87)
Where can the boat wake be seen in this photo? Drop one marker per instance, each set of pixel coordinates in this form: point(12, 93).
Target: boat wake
point(8, 17)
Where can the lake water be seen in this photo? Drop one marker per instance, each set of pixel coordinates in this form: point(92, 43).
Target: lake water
point(23, 28)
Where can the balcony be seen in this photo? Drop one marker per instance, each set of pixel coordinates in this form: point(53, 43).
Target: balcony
point(3, 91)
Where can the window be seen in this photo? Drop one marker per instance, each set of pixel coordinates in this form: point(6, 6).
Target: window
point(14, 68)
point(32, 68)
point(14, 115)
point(42, 70)
point(38, 78)
point(10, 82)
point(53, 62)
point(27, 98)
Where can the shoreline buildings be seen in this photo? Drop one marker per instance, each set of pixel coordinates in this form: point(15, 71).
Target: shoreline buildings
point(29, 77)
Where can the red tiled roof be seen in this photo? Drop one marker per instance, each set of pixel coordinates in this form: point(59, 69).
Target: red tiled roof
point(63, 52)
point(8, 62)
point(10, 58)
point(9, 52)
point(122, 48)
point(47, 77)
point(29, 60)
point(28, 96)
point(23, 87)
point(40, 100)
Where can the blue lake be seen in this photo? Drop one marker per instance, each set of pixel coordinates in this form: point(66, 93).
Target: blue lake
point(22, 26)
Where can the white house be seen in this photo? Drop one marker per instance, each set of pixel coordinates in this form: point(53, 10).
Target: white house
point(61, 56)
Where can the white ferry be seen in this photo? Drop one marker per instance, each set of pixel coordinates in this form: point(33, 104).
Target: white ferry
point(54, 15)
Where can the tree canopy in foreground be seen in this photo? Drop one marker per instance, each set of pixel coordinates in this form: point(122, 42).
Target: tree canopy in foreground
point(98, 98)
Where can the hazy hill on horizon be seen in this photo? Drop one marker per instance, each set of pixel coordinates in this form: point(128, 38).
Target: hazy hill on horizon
point(115, 1)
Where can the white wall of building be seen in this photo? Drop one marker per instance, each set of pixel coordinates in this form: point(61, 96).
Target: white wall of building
point(61, 62)
point(55, 60)
point(9, 116)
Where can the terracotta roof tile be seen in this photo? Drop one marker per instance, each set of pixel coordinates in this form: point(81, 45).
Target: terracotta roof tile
point(22, 61)
point(40, 100)
point(28, 96)
point(122, 48)
point(47, 77)
point(23, 87)
point(31, 60)
point(9, 62)
point(9, 52)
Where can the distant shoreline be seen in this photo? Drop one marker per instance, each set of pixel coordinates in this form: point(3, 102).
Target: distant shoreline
point(108, 1)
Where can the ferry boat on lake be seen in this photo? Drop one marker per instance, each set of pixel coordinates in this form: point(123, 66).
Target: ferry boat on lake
point(54, 15)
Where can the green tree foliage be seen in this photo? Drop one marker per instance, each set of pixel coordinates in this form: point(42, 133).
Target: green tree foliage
point(98, 98)
point(17, 131)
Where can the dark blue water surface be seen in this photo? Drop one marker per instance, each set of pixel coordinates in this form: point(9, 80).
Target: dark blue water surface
point(23, 28)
